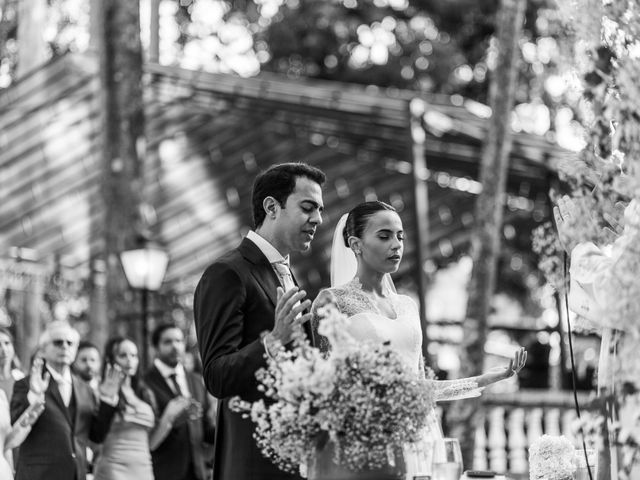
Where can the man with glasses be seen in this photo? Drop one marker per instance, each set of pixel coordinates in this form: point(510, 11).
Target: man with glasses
point(55, 448)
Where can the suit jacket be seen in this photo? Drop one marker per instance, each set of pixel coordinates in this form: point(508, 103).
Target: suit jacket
point(185, 444)
point(56, 446)
point(234, 303)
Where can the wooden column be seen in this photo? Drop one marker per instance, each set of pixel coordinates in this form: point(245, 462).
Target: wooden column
point(25, 290)
point(99, 304)
point(154, 31)
point(32, 48)
point(421, 201)
point(122, 141)
point(489, 213)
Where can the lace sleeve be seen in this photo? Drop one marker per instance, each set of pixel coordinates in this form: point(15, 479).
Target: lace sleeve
point(454, 389)
point(451, 389)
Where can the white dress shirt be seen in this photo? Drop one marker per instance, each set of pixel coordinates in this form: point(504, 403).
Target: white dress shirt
point(279, 263)
point(65, 385)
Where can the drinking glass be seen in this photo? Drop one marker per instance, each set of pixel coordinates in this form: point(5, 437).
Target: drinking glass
point(447, 459)
point(582, 473)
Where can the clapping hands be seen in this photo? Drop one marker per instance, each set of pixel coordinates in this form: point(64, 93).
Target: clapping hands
point(564, 214)
point(31, 414)
point(288, 314)
point(175, 410)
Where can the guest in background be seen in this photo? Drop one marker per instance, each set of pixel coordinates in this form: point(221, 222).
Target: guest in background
point(9, 374)
point(11, 436)
point(87, 366)
point(125, 451)
point(9, 366)
point(55, 448)
point(178, 448)
point(88, 363)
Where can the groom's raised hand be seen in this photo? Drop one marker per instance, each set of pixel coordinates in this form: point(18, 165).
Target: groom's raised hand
point(288, 314)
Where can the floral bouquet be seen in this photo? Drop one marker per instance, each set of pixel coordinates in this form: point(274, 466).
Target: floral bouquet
point(551, 458)
point(360, 396)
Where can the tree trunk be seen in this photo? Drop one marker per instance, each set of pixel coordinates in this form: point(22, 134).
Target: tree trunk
point(488, 216)
point(121, 76)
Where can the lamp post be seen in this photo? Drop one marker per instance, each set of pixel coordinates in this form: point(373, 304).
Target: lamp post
point(144, 268)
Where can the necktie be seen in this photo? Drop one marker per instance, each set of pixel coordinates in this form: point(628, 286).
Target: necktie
point(173, 380)
point(286, 279)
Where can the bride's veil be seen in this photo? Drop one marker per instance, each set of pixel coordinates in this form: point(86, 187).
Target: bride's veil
point(343, 261)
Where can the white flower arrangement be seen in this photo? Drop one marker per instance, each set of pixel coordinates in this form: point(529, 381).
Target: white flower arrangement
point(359, 396)
point(551, 458)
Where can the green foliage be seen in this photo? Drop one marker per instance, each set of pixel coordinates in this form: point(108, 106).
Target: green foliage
point(439, 46)
point(603, 36)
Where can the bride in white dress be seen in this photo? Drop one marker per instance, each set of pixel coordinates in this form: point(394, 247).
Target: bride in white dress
point(367, 248)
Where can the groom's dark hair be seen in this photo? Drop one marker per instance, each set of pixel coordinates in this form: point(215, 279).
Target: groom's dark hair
point(278, 182)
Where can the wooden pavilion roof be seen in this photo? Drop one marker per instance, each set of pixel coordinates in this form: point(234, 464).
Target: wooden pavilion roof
point(208, 135)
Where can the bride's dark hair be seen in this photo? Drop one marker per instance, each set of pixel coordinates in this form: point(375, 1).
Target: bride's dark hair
point(359, 216)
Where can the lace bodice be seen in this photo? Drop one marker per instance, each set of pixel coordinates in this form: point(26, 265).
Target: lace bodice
point(403, 332)
point(368, 323)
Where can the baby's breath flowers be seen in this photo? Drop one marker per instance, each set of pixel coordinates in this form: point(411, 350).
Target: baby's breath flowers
point(361, 396)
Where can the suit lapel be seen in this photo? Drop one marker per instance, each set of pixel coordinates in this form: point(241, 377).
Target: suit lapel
point(307, 325)
point(82, 396)
point(262, 270)
point(266, 277)
point(161, 382)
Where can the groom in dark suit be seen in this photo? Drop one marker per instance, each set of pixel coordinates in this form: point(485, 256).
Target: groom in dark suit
point(247, 302)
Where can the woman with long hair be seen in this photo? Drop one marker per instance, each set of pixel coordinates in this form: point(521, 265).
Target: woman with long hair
point(125, 451)
point(10, 371)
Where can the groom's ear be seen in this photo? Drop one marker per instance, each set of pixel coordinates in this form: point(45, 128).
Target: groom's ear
point(270, 206)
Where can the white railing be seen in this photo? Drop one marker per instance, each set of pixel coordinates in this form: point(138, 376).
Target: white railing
point(512, 421)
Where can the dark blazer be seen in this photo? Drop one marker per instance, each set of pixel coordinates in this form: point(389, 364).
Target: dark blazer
point(56, 446)
point(234, 303)
point(185, 444)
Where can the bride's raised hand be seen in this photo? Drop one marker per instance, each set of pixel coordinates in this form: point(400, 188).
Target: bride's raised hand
point(517, 362)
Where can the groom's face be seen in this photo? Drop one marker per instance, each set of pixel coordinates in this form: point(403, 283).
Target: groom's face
point(301, 214)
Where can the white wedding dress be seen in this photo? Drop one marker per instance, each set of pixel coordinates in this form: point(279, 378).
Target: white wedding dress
point(404, 334)
point(6, 472)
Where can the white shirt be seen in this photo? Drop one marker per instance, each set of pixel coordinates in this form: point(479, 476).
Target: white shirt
point(65, 385)
point(181, 377)
point(273, 256)
point(266, 248)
